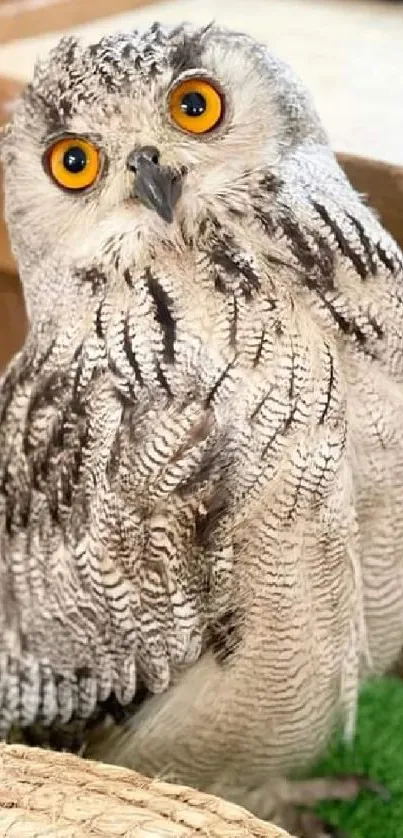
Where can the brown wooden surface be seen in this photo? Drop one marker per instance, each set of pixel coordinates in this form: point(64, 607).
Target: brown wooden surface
point(382, 183)
point(26, 18)
point(13, 322)
point(7, 262)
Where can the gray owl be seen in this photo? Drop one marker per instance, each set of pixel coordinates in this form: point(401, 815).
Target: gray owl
point(201, 442)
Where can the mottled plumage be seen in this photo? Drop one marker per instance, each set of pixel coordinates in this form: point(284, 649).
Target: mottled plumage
point(201, 443)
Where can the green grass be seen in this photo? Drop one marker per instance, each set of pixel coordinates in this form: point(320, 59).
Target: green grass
point(378, 753)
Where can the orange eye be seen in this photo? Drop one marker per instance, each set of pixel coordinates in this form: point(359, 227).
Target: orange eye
point(196, 106)
point(74, 163)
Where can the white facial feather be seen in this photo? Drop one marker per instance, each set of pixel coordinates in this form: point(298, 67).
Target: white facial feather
point(47, 223)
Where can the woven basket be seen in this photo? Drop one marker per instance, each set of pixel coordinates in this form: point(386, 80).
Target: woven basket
point(44, 794)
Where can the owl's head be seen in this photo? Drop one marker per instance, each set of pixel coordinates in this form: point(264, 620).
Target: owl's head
point(140, 133)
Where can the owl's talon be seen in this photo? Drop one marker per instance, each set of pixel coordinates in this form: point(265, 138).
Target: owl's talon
point(365, 783)
point(340, 787)
point(306, 823)
point(310, 825)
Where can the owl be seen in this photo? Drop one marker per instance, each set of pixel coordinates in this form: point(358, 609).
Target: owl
point(201, 444)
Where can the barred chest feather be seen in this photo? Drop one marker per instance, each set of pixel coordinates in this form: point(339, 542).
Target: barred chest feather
point(133, 458)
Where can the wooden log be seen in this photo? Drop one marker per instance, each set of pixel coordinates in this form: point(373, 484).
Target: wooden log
point(43, 793)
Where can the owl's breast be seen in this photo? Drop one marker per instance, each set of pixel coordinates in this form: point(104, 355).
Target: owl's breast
point(132, 456)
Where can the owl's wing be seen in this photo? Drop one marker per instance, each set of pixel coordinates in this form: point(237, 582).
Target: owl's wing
point(105, 505)
point(350, 268)
point(347, 276)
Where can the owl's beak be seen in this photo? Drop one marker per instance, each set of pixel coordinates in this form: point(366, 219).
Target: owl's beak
point(156, 186)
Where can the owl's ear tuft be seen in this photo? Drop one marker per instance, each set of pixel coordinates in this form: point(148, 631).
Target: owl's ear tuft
point(59, 58)
point(207, 29)
point(65, 51)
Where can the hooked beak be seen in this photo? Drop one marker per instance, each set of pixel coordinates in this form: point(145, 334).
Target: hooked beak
point(157, 187)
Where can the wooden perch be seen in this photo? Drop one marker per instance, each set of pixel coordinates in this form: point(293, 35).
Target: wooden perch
point(43, 793)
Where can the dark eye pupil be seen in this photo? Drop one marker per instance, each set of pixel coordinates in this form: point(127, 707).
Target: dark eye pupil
point(193, 104)
point(75, 160)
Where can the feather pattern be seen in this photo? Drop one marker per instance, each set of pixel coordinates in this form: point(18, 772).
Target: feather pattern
point(201, 454)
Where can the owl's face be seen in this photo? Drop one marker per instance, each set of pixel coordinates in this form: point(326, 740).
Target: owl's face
point(139, 135)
